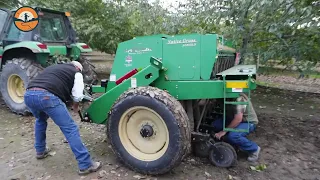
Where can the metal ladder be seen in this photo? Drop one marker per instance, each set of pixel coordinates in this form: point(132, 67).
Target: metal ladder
point(235, 103)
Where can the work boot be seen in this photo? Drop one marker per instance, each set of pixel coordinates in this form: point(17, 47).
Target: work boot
point(94, 168)
point(254, 156)
point(43, 154)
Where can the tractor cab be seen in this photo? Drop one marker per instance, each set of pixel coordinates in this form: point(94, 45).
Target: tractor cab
point(23, 54)
point(54, 28)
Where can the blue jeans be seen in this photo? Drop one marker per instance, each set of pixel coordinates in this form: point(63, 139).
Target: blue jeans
point(239, 138)
point(43, 105)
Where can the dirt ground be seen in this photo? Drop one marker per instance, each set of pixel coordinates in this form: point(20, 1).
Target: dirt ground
point(310, 85)
point(288, 134)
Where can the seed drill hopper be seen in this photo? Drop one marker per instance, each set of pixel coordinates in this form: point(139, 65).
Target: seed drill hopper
point(162, 95)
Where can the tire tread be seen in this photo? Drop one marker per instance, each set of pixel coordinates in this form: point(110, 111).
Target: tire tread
point(32, 70)
point(180, 115)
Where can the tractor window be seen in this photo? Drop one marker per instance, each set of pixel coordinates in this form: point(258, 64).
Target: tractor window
point(52, 28)
point(3, 17)
point(17, 35)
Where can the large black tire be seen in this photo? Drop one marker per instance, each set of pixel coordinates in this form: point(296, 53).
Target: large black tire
point(90, 76)
point(14, 69)
point(172, 115)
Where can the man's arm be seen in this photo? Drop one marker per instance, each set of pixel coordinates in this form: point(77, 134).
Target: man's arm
point(237, 119)
point(77, 90)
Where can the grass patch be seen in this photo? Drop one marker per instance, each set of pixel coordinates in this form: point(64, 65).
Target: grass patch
point(290, 73)
point(316, 76)
point(268, 84)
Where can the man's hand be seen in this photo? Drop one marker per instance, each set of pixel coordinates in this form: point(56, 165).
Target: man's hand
point(220, 134)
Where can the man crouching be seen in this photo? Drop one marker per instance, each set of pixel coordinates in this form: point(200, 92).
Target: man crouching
point(239, 120)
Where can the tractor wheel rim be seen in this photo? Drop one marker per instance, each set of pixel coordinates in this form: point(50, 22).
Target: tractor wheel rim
point(15, 87)
point(143, 133)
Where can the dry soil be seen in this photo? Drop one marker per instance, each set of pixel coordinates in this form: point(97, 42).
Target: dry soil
point(288, 134)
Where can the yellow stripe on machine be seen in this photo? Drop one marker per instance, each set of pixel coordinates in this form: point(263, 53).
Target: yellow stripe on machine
point(237, 84)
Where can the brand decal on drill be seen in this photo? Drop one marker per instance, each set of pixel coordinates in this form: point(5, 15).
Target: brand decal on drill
point(138, 50)
point(128, 61)
point(184, 42)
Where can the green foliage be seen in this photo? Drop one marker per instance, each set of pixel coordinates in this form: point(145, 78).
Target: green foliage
point(11, 4)
point(105, 24)
point(285, 30)
point(258, 168)
point(59, 59)
point(101, 25)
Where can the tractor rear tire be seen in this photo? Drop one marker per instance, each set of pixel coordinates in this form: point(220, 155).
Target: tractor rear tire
point(149, 130)
point(15, 76)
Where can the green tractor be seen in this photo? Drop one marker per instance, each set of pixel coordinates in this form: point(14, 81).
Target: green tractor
point(24, 54)
point(162, 96)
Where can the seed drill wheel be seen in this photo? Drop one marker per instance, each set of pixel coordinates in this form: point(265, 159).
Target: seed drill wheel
point(222, 154)
point(201, 149)
point(15, 76)
point(149, 130)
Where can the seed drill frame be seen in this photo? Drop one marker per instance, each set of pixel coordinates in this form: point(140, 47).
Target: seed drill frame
point(160, 97)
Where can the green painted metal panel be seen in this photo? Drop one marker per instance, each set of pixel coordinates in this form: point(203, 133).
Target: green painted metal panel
point(184, 90)
point(32, 45)
point(99, 109)
point(187, 62)
point(1, 51)
point(98, 89)
point(77, 49)
point(41, 54)
point(208, 54)
point(181, 55)
point(82, 50)
point(225, 42)
point(111, 85)
point(240, 70)
point(42, 58)
point(236, 130)
point(135, 53)
point(75, 52)
point(57, 50)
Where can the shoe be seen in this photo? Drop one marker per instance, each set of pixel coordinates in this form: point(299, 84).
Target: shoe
point(254, 156)
point(94, 168)
point(44, 154)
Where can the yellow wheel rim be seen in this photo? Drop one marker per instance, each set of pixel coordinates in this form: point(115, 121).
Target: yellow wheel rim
point(143, 133)
point(16, 90)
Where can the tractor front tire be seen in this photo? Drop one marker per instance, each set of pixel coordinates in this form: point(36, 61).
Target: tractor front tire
point(15, 76)
point(149, 130)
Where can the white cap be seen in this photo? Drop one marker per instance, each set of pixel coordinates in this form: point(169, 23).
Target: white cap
point(77, 64)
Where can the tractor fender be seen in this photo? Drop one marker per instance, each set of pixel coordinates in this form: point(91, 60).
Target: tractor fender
point(35, 47)
point(33, 50)
point(78, 48)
